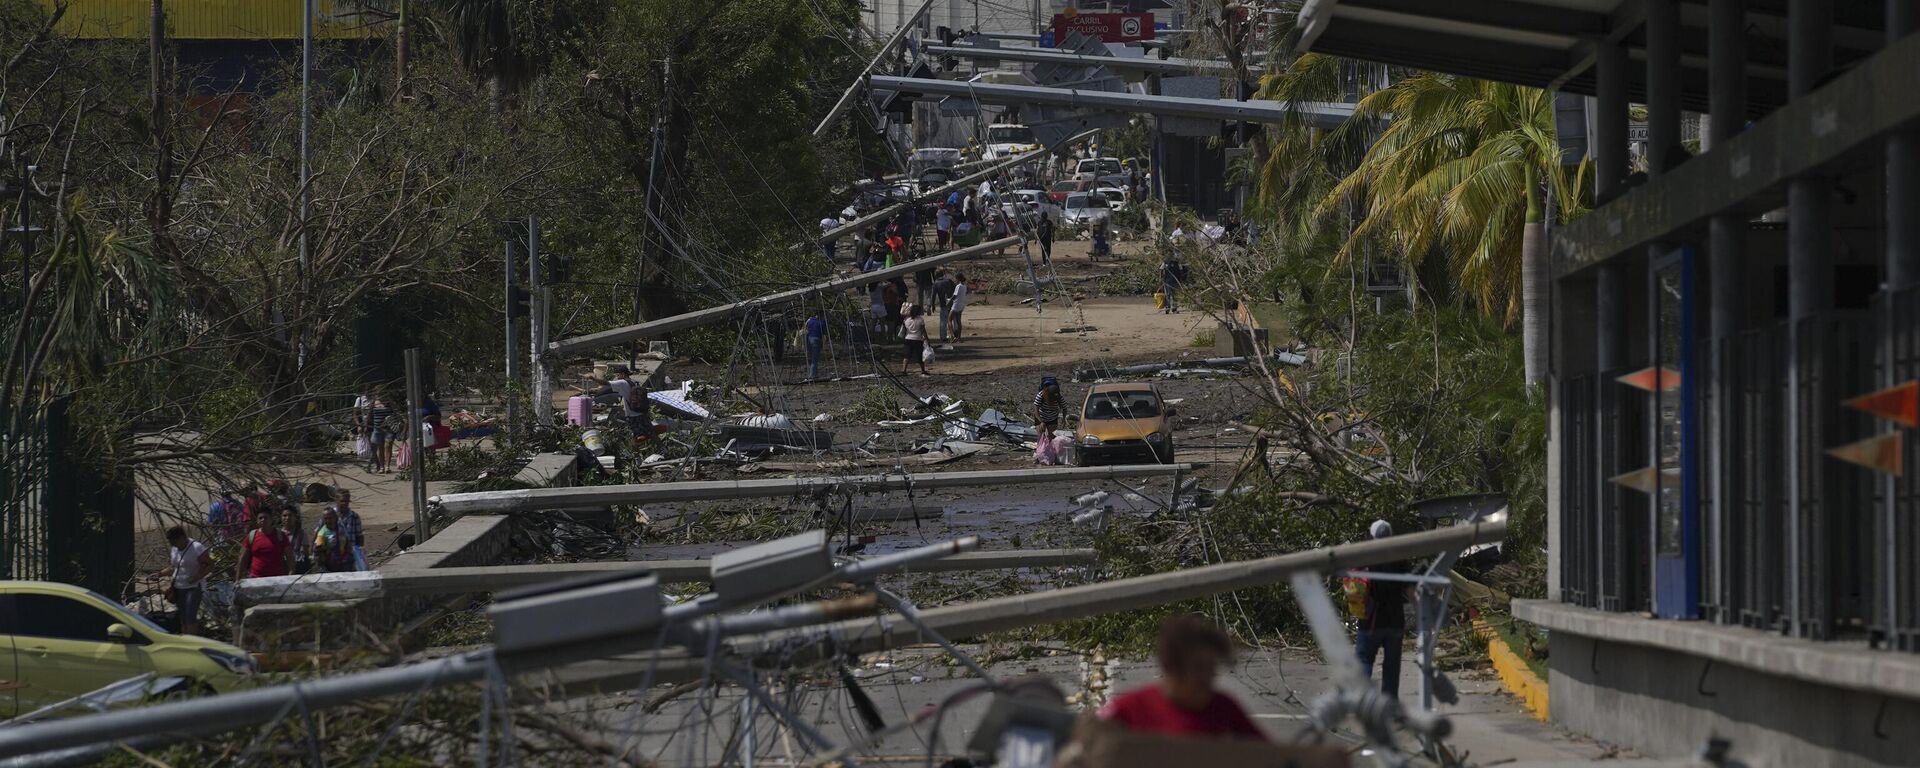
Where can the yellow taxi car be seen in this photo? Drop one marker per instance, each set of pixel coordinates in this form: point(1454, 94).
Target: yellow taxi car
point(58, 641)
point(1125, 422)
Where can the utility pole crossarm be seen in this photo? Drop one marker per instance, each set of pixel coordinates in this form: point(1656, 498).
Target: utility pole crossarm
point(666, 325)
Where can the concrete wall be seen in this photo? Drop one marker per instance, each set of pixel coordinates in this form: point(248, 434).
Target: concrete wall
point(334, 624)
point(1666, 703)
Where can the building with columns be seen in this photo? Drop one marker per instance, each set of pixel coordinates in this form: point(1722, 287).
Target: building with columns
point(1716, 570)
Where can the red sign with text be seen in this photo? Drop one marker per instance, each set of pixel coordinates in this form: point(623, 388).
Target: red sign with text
point(1110, 27)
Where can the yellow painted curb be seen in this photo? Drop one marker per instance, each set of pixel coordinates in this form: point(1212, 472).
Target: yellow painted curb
point(1518, 678)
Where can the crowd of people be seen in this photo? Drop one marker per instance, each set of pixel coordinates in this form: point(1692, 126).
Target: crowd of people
point(267, 529)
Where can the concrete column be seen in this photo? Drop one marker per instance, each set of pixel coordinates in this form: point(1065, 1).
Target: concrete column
point(1726, 243)
point(1809, 286)
point(1903, 172)
point(1663, 85)
point(1610, 122)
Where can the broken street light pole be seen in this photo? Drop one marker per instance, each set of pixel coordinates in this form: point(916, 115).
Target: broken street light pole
point(1042, 56)
point(174, 721)
point(666, 325)
point(846, 97)
point(602, 496)
point(1316, 114)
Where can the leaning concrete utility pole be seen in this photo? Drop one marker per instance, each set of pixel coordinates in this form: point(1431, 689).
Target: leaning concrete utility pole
point(1116, 63)
point(602, 496)
point(939, 193)
point(161, 724)
point(1316, 114)
point(846, 97)
point(666, 325)
point(416, 440)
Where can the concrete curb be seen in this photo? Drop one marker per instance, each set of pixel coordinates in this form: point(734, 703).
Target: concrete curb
point(1515, 675)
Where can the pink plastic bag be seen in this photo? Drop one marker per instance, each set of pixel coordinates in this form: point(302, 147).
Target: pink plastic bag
point(1044, 452)
point(1062, 445)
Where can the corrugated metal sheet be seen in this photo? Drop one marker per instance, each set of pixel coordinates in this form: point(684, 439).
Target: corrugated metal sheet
point(221, 19)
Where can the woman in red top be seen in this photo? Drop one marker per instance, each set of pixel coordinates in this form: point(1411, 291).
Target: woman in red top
point(264, 550)
point(1183, 702)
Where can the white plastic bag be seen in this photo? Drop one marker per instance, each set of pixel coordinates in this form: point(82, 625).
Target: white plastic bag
point(926, 352)
point(363, 447)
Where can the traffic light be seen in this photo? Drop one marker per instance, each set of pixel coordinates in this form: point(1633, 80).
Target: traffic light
point(517, 301)
point(560, 269)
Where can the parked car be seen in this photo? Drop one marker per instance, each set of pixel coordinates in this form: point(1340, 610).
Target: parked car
point(1085, 209)
point(1095, 167)
point(1125, 422)
point(1060, 189)
point(1025, 201)
point(63, 641)
point(1116, 197)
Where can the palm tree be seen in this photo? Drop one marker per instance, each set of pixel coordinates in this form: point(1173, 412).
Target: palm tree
point(1462, 168)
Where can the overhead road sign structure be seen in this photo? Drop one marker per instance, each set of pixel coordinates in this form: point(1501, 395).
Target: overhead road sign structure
point(1317, 114)
point(1124, 63)
point(601, 496)
point(1110, 27)
point(657, 328)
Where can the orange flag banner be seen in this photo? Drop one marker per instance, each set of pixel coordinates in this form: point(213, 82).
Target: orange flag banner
point(1652, 379)
point(1649, 479)
point(1899, 404)
point(1880, 454)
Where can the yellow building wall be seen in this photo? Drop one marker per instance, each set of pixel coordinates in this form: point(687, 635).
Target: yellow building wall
point(222, 19)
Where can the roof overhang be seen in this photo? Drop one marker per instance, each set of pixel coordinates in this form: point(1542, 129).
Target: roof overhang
point(1551, 43)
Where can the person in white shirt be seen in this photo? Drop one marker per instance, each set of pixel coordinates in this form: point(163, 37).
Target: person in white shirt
point(188, 564)
point(828, 224)
point(959, 302)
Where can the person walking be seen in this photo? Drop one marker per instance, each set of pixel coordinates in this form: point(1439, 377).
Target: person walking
point(891, 297)
point(331, 551)
point(877, 305)
point(923, 287)
point(828, 224)
point(380, 418)
point(264, 552)
point(1384, 628)
point(296, 533)
point(1173, 274)
point(1044, 229)
point(943, 227)
point(350, 527)
point(188, 563)
point(942, 299)
point(958, 304)
point(816, 342)
point(913, 330)
point(1183, 702)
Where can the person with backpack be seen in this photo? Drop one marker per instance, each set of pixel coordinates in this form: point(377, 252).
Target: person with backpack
point(332, 551)
point(264, 551)
point(350, 528)
point(1383, 625)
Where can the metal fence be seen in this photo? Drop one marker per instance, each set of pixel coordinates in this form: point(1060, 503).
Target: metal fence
point(1794, 540)
point(23, 514)
point(1896, 531)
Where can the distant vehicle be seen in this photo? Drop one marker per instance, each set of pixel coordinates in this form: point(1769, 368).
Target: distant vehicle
point(1086, 209)
point(1095, 167)
point(1024, 203)
point(933, 157)
point(1125, 422)
point(1060, 189)
point(1116, 197)
point(62, 641)
point(1120, 180)
point(935, 178)
point(1008, 139)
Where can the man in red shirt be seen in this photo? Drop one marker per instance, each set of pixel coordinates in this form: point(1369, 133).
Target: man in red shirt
point(1183, 702)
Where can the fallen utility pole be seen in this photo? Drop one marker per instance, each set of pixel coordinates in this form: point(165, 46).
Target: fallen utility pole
point(666, 325)
point(495, 578)
point(846, 97)
point(165, 723)
point(602, 496)
point(887, 211)
point(1121, 63)
point(1316, 114)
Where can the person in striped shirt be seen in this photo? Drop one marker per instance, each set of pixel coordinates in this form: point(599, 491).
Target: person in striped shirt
point(1047, 407)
